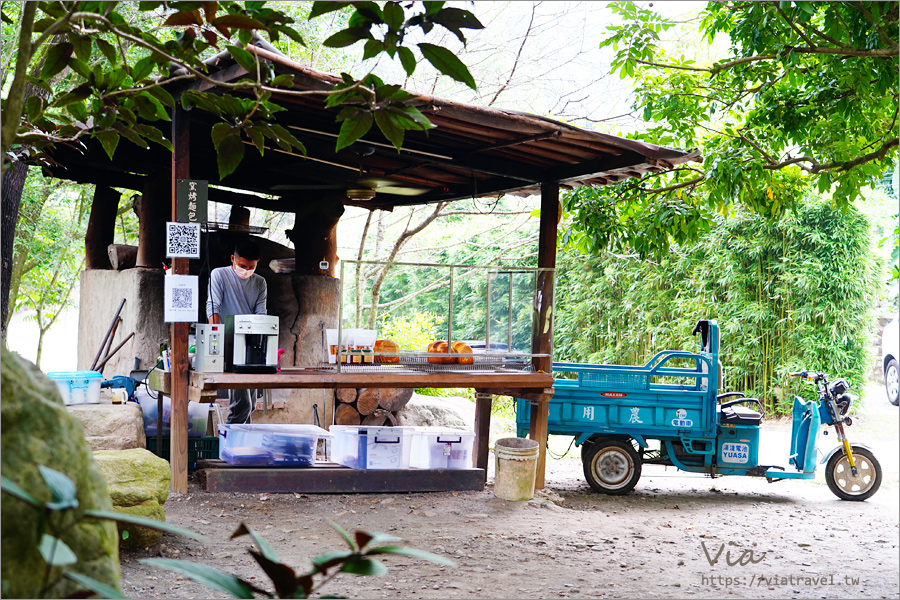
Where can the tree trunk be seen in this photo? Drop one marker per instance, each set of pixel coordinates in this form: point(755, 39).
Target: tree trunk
point(345, 414)
point(345, 394)
point(40, 346)
point(375, 420)
point(122, 256)
point(366, 404)
point(30, 212)
point(392, 399)
point(10, 199)
point(153, 210)
point(101, 229)
point(315, 236)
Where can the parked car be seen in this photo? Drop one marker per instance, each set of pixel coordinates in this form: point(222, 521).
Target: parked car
point(890, 347)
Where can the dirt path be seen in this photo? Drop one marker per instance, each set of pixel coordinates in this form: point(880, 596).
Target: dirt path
point(570, 542)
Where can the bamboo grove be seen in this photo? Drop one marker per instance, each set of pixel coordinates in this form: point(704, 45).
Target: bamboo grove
point(789, 294)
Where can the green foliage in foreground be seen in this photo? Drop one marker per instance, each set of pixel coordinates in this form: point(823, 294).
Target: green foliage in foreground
point(789, 294)
point(359, 559)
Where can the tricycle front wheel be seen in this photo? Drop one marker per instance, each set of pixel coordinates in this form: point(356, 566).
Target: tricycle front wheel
point(612, 466)
point(841, 481)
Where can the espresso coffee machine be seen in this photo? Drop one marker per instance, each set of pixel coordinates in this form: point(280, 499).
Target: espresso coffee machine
point(253, 341)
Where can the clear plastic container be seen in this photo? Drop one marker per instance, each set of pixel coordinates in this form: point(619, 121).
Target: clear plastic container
point(268, 445)
point(78, 387)
point(197, 415)
point(362, 447)
point(442, 448)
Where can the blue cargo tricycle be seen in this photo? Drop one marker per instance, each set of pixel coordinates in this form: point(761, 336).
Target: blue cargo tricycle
point(616, 412)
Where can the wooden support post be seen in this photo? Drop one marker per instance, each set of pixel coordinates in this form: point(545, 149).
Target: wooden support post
point(178, 458)
point(542, 341)
point(537, 430)
point(315, 236)
point(482, 429)
point(101, 227)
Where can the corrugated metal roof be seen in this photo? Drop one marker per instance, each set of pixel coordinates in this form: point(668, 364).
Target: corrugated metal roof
point(474, 151)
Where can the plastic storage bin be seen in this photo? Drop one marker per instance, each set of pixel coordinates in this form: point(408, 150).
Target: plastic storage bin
point(361, 447)
point(442, 448)
point(197, 416)
point(78, 387)
point(267, 445)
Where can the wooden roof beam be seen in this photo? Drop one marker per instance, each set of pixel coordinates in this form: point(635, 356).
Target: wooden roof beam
point(599, 167)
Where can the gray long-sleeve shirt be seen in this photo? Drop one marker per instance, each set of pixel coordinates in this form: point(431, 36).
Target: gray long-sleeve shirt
point(231, 295)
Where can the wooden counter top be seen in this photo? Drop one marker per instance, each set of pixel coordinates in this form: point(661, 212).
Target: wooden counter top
point(309, 378)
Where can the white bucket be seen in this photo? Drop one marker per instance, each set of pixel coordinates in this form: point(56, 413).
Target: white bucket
point(515, 468)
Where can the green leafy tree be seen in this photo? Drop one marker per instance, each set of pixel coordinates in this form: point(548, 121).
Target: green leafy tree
point(49, 255)
point(807, 96)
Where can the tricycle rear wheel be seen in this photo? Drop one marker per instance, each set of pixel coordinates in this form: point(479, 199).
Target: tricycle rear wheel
point(612, 466)
point(840, 479)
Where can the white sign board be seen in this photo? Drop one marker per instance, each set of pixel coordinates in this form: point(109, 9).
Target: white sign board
point(182, 298)
point(183, 240)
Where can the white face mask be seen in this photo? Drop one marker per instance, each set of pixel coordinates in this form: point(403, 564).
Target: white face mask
point(243, 273)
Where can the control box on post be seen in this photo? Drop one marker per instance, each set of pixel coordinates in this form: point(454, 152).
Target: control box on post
point(210, 353)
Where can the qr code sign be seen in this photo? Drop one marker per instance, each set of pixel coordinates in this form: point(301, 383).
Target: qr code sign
point(183, 240)
point(182, 298)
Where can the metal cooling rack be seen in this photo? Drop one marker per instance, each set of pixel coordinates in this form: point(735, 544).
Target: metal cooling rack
point(418, 363)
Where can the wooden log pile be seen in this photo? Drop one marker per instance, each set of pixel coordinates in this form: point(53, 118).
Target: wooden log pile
point(369, 406)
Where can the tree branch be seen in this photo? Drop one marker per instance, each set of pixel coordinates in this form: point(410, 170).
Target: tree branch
point(846, 166)
point(791, 24)
point(199, 74)
point(665, 66)
point(404, 237)
point(15, 99)
point(481, 214)
point(516, 62)
point(756, 147)
point(887, 41)
point(846, 52)
point(674, 187)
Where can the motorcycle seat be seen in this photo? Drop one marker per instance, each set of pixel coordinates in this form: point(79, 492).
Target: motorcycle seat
point(739, 415)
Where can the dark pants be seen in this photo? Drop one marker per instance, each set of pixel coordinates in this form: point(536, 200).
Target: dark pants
point(240, 405)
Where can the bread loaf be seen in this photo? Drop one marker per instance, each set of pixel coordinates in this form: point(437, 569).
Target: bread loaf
point(389, 351)
point(440, 347)
point(465, 351)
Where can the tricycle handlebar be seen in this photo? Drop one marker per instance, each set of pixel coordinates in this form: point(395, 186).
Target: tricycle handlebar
point(811, 376)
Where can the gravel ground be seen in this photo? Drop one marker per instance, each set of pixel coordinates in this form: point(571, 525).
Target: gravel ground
point(791, 539)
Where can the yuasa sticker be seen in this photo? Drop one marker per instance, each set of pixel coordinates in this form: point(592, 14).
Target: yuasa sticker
point(735, 453)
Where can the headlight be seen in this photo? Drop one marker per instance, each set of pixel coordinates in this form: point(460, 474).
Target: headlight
point(839, 387)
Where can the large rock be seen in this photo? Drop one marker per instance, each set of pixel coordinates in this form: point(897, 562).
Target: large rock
point(38, 430)
point(138, 483)
point(111, 426)
point(438, 411)
point(451, 411)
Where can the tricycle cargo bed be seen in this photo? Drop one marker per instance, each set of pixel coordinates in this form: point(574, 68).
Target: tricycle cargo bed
point(648, 414)
point(650, 401)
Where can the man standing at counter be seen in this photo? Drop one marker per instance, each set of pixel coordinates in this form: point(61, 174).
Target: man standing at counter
point(236, 290)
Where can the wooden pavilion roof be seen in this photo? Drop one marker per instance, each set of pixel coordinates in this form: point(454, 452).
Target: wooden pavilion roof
point(474, 151)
